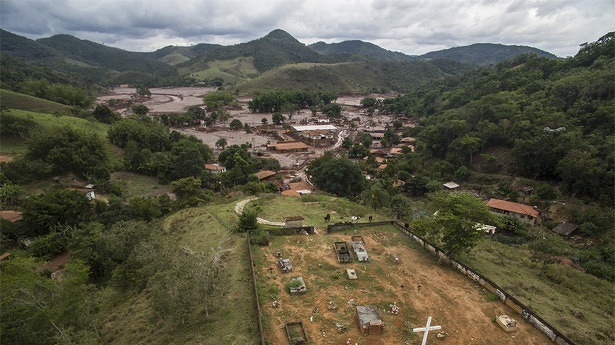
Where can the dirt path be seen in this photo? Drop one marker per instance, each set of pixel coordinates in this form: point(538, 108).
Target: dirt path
point(239, 209)
point(418, 285)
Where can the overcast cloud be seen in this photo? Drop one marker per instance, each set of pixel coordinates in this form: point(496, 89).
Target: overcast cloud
point(411, 26)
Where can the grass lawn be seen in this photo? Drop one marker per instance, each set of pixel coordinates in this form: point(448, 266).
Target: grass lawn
point(313, 208)
point(556, 292)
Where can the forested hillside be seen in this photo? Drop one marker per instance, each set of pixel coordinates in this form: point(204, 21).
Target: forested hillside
point(532, 117)
point(484, 54)
point(355, 49)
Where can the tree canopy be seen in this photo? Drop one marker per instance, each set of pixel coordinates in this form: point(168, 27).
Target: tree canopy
point(339, 176)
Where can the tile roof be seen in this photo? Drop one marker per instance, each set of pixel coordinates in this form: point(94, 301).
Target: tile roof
point(264, 174)
point(512, 207)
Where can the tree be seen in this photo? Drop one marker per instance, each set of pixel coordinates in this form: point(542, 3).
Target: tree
point(222, 142)
point(143, 91)
point(397, 124)
point(332, 110)
point(140, 109)
point(105, 115)
point(277, 118)
point(216, 100)
point(339, 176)
point(65, 149)
point(188, 157)
point(368, 102)
point(236, 125)
point(390, 138)
point(55, 207)
point(248, 220)
point(364, 139)
point(264, 120)
point(454, 224)
point(401, 207)
point(376, 196)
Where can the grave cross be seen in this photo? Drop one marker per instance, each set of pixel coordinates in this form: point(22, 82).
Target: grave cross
point(426, 329)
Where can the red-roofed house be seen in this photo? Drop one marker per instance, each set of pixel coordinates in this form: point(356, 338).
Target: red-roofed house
point(264, 174)
point(523, 212)
point(215, 168)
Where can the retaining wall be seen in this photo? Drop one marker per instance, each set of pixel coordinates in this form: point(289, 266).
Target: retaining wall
point(259, 312)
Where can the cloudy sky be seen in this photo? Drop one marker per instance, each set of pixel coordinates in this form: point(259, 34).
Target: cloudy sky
point(411, 26)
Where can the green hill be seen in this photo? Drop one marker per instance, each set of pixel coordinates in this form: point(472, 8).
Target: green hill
point(15, 100)
point(349, 76)
point(97, 55)
point(485, 53)
point(275, 49)
point(173, 55)
point(356, 49)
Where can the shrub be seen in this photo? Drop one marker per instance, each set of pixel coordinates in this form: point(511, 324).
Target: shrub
point(260, 238)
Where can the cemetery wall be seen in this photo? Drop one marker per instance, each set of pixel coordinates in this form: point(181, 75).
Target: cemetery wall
point(530, 316)
point(259, 312)
point(347, 225)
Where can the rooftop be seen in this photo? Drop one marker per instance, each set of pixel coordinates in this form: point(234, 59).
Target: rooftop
point(314, 127)
point(265, 174)
point(512, 207)
point(216, 167)
point(289, 145)
point(565, 229)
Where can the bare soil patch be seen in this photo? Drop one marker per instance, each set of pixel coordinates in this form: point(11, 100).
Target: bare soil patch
point(6, 158)
point(418, 285)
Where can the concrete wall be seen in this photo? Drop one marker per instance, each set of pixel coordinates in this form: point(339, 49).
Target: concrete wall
point(530, 316)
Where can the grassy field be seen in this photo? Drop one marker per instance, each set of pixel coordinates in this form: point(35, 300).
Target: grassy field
point(556, 292)
point(139, 185)
point(232, 71)
point(234, 318)
point(313, 208)
point(14, 100)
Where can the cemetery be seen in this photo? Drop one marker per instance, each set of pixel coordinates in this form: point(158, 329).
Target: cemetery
point(342, 252)
point(381, 302)
point(358, 245)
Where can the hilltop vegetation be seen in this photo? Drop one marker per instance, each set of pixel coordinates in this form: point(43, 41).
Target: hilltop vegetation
point(484, 54)
point(91, 63)
point(555, 118)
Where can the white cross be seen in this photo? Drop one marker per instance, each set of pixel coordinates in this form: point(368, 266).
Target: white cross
point(426, 329)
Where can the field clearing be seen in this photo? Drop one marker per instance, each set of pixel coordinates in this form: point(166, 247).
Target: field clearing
point(556, 292)
point(139, 185)
point(232, 71)
point(418, 285)
point(234, 319)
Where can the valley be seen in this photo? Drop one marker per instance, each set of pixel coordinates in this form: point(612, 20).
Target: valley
point(144, 196)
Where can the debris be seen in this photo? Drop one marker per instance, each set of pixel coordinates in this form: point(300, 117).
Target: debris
point(341, 328)
point(393, 309)
point(441, 335)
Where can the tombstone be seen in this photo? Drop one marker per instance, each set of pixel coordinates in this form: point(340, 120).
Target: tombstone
point(426, 329)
